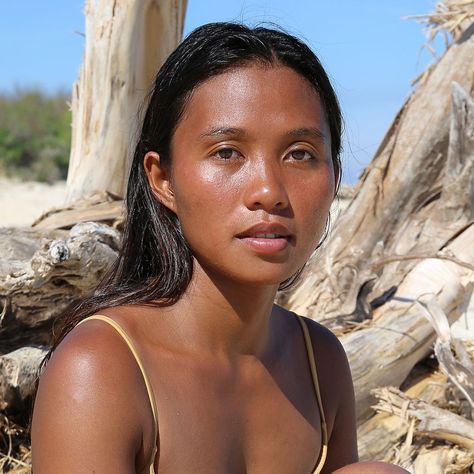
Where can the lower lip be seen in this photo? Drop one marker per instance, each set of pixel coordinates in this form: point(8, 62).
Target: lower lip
point(265, 245)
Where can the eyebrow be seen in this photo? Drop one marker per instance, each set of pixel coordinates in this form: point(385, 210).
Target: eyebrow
point(301, 132)
point(223, 131)
point(312, 132)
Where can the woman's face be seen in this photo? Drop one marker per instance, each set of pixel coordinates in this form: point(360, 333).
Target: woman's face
point(252, 176)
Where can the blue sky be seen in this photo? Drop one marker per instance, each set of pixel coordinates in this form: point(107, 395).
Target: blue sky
point(369, 51)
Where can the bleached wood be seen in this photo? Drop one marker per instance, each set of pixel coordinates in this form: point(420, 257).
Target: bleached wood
point(400, 335)
point(452, 356)
point(126, 42)
point(431, 420)
point(18, 375)
point(42, 271)
point(378, 435)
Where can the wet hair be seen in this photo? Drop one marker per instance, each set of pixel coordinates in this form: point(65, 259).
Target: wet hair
point(155, 263)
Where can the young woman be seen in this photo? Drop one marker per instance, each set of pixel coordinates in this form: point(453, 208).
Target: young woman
point(190, 367)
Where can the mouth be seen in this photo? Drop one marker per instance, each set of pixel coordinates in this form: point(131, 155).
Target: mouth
point(266, 237)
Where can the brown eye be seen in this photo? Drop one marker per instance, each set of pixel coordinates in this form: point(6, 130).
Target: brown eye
point(300, 155)
point(225, 153)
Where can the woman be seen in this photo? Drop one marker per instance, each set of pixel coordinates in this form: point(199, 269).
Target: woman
point(191, 368)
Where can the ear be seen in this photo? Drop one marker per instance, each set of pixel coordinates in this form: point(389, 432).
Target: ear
point(159, 180)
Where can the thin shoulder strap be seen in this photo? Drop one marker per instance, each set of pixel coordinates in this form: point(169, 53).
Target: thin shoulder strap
point(149, 389)
point(314, 376)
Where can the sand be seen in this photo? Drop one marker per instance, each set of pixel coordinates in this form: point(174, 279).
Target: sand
point(21, 202)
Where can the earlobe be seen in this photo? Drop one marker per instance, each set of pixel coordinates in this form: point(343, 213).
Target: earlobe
point(159, 180)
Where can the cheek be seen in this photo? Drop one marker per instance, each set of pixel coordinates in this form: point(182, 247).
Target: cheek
point(205, 197)
point(311, 200)
point(205, 189)
point(316, 193)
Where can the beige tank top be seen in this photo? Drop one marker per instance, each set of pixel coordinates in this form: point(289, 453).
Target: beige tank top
point(312, 367)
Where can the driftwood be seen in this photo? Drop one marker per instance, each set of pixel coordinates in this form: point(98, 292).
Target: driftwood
point(378, 436)
point(18, 376)
point(97, 207)
point(453, 357)
point(126, 42)
point(384, 353)
point(41, 272)
point(406, 236)
point(443, 460)
point(430, 420)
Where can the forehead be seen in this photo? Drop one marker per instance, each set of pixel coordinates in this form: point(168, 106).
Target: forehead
point(253, 97)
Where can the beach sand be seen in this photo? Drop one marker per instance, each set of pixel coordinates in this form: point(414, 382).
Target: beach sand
point(21, 202)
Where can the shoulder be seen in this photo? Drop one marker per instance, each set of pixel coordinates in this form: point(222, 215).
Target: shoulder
point(84, 401)
point(332, 365)
point(93, 351)
point(337, 392)
point(326, 345)
point(327, 348)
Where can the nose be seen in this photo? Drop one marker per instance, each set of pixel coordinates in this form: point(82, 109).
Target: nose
point(265, 187)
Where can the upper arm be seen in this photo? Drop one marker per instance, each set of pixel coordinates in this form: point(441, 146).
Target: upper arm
point(82, 421)
point(337, 393)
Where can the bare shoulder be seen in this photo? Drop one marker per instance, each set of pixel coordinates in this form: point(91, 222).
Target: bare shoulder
point(83, 419)
point(327, 347)
point(337, 394)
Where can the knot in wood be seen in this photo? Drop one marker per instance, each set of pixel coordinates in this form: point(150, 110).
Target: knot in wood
point(58, 251)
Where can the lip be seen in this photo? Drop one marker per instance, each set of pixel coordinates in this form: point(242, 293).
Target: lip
point(265, 228)
point(262, 244)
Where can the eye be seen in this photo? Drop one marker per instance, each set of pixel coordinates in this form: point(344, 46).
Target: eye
point(226, 153)
point(301, 155)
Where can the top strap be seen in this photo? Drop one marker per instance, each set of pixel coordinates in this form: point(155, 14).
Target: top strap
point(314, 376)
point(149, 389)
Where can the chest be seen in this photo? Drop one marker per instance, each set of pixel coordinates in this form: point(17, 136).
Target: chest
point(251, 420)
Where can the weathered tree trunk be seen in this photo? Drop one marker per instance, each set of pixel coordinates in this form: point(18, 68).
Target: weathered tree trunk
point(400, 335)
point(126, 42)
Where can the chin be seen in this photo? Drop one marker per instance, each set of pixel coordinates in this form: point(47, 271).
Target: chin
point(265, 280)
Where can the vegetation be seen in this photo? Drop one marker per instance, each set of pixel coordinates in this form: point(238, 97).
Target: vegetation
point(35, 135)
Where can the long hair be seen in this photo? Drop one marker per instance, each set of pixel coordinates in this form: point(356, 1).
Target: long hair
point(155, 263)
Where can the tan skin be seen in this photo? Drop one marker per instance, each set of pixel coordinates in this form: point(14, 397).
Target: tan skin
point(228, 367)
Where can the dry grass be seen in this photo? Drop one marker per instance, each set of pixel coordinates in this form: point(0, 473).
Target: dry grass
point(15, 453)
point(450, 18)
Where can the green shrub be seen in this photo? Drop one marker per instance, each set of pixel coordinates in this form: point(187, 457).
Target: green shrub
point(35, 135)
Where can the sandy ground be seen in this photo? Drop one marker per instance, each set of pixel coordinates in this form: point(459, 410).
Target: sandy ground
point(21, 202)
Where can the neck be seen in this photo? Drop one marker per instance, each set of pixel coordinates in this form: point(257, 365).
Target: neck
point(224, 317)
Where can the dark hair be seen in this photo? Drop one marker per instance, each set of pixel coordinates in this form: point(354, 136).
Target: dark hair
point(155, 262)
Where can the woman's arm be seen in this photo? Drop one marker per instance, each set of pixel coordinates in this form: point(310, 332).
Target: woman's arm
point(84, 418)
